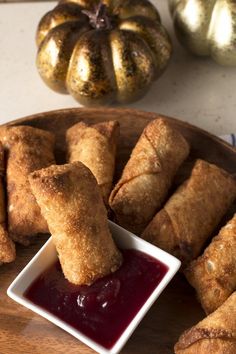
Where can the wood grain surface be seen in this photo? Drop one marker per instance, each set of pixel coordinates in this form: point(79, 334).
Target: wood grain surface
point(24, 332)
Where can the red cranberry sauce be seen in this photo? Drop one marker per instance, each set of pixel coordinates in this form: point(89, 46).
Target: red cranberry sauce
point(103, 310)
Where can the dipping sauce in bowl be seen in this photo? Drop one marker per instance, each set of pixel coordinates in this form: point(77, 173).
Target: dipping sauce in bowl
point(103, 310)
point(104, 314)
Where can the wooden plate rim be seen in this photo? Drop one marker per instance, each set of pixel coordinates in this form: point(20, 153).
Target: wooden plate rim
point(129, 111)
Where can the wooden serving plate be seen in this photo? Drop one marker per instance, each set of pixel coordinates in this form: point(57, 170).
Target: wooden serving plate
point(24, 332)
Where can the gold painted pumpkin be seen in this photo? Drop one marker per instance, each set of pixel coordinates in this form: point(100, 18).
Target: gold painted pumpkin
point(102, 52)
point(207, 27)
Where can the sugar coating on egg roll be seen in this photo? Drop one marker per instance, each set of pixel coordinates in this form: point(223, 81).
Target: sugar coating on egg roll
point(95, 146)
point(192, 213)
point(28, 149)
point(215, 334)
point(148, 175)
point(7, 246)
point(213, 274)
point(72, 204)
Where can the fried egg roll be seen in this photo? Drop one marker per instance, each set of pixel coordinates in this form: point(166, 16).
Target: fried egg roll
point(71, 202)
point(7, 246)
point(215, 334)
point(213, 274)
point(28, 149)
point(95, 147)
point(148, 175)
point(192, 213)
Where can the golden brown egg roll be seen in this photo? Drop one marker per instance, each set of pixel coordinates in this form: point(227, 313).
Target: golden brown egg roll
point(7, 246)
point(213, 274)
point(71, 202)
point(148, 175)
point(192, 213)
point(28, 149)
point(215, 334)
point(95, 146)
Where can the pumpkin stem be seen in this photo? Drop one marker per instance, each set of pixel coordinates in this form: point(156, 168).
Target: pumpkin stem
point(100, 17)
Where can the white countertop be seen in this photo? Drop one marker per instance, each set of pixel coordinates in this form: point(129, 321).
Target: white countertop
point(195, 90)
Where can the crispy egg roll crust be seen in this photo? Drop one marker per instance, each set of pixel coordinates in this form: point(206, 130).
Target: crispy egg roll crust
point(2, 192)
point(213, 274)
point(72, 204)
point(215, 334)
point(192, 213)
point(7, 246)
point(95, 146)
point(148, 175)
point(28, 149)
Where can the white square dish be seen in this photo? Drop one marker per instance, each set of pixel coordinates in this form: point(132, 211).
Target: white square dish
point(47, 255)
